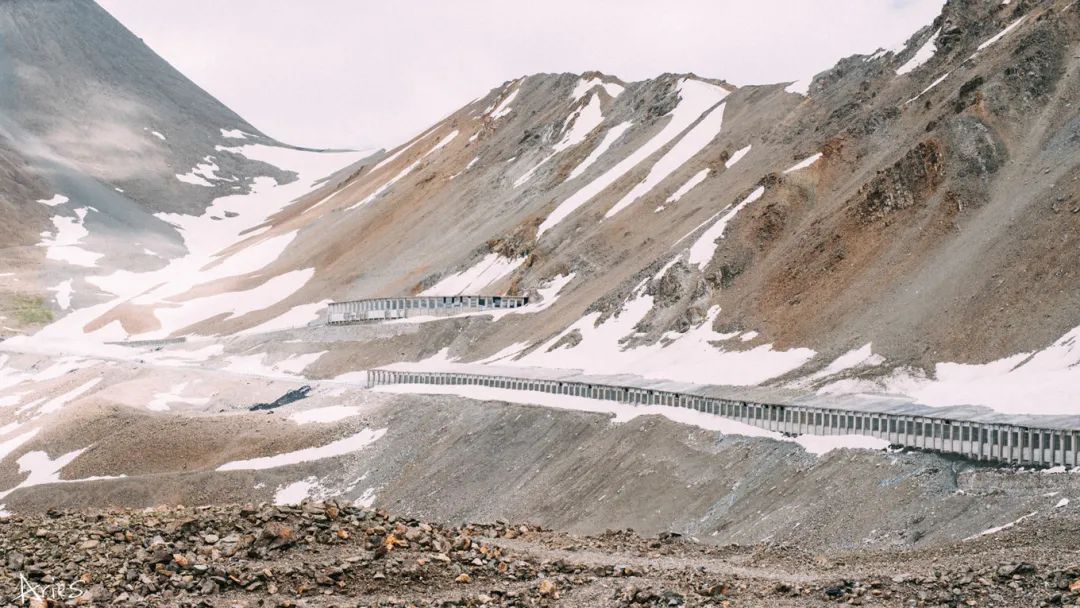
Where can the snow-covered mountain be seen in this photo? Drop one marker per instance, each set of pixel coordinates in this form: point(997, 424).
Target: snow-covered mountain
point(908, 213)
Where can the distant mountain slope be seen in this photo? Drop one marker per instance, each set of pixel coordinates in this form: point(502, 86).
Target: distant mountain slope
point(108, 135)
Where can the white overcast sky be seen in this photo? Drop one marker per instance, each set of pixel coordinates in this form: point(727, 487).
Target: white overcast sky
point(371, 73)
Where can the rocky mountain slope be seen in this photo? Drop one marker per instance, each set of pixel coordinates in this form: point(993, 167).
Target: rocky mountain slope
point(904, 224)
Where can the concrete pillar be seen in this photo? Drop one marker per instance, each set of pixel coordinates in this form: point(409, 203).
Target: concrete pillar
point(1075, 449)
point(1026, 450)
point(1003, 433)
point(1045, 450)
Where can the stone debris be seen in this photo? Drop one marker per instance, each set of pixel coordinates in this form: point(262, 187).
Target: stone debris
point(330, 554)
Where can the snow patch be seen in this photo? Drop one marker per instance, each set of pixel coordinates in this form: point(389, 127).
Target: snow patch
point(161, 401)
point(1010, 385)
point(347, 445)
point(823, 444)
point(57, 199)
point(921, 56)
point(255, 365)
point(860, 357)
point(295, 492)
point(692, 357)
point(366, 499)
point(297, 316)
point(702, 251)
point(62, 245)
point(41, 469)
point(57, 403)
point(1002, 527)
point(804, 163)
point(232, 304)
point(472, 280)
point(202, 173)
point(9, 446)
point(504, 108)
point(737, 156)
point(63, 294)
point(584, 86)
point(800, 87)
point(331, 413)
point(690, 184)
point(1012, 26)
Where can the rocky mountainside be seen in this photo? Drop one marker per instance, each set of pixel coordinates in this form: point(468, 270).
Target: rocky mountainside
point(902, 223)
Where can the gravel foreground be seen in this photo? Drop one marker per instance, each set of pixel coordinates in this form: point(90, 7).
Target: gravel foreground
point(323, 554)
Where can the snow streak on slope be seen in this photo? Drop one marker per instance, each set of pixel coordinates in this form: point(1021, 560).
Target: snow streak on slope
point(1000, 34)
point(233, 304)
point(612, 135)
point(859, 358)
point(389, 159)
point(504, 108)
point(690, 184)
point(695, 98)
point(256, 365)
point(548, 292)
point(692, 357)
point(407, 170)
point(686, 148)
point(582, 122)
point(804, 163)
point(473, 280)
point(939, 80)
point(340, 447)
point(921, 56)
point(737, 156)
point(704, 248)
point(330, 413)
